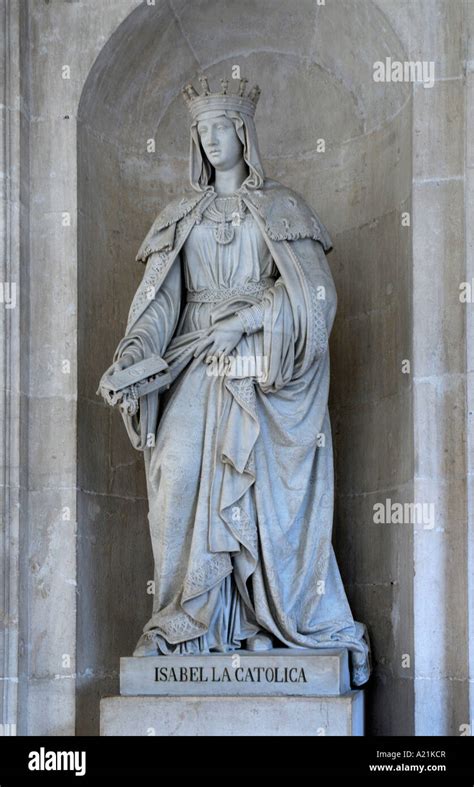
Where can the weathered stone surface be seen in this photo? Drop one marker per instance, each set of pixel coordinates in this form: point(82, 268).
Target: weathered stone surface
point(219, 716)
point(430, 30)
point(443, 137)
point(440, 315)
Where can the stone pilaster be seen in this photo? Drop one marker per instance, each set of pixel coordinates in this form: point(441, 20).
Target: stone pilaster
point(10, 352)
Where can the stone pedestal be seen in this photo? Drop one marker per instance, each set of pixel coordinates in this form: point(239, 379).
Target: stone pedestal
point(279, 692)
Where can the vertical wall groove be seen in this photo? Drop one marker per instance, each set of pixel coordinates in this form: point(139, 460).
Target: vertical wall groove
point(10, 356)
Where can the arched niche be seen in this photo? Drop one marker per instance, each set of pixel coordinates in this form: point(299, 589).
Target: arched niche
point(314, 64)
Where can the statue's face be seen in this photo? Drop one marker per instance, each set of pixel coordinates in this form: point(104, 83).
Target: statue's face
point(219, 140)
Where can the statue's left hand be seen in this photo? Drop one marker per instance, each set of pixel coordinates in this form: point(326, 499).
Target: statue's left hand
point(221, 339)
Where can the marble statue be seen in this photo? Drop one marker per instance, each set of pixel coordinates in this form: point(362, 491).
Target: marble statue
point(237, 302)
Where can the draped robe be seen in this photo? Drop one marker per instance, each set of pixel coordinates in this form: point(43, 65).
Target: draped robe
point(240, 469)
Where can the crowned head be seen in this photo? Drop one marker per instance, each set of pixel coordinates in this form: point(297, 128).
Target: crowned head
point(223, 131)
point(221, 100)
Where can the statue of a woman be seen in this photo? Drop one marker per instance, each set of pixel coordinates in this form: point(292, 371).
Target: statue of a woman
point(238, 300)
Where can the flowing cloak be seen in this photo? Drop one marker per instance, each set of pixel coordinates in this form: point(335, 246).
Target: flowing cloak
point(275, 437)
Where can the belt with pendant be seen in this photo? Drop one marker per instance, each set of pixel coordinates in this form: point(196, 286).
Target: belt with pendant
point(216, 294)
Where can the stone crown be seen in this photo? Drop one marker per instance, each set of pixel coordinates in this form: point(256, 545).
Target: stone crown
point(208, 101)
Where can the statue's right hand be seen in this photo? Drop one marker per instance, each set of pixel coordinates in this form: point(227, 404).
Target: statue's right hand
point(122, 363)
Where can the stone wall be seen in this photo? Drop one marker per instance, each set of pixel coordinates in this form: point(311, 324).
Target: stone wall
point(442, 562)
